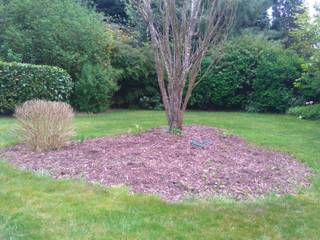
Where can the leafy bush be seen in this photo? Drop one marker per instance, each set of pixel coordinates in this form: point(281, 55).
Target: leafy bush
point(96, 86)
point(306, 112)
point(308, 85)
point(138, 80)
point(226, 84)
point(44, 125)
point(305, 40)
point(63, 33)
point(151, 103)
point(253, 74)
point(22, 82)
point(272, 88)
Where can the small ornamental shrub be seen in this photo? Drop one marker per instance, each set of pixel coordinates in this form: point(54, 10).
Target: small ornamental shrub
point(22, 82)
point(44, 125)
point(311, 112)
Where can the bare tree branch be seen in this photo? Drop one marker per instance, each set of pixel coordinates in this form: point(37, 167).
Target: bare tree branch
point(181, 33)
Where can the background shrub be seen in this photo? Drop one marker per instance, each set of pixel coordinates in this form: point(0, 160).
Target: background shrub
point(276, 72)
point(254, 74)
point(308, 85)
point(64, 33)
point(227, 84)
point(22, 82)
point(138, 85)
point(151, 103)
point(95, 85)
point(44, 125)
point(305, 39)
point(306, 112)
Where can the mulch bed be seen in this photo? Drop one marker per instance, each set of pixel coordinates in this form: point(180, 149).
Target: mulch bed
point(203, 162)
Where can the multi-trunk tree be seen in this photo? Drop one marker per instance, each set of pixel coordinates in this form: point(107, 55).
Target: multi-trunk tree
point(181, 32)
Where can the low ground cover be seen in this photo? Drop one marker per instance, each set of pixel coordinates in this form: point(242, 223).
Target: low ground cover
point(311, 112)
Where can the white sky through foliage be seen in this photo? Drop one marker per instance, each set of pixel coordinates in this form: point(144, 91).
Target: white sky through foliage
point(311, 4)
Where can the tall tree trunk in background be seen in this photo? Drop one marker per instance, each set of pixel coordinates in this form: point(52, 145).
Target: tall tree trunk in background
point(181, 32)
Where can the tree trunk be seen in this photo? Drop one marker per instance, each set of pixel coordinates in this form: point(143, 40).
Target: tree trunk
point(175, 118)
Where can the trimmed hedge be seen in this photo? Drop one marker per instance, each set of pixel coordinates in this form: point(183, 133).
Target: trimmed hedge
point(22, 82)
point(311, 112)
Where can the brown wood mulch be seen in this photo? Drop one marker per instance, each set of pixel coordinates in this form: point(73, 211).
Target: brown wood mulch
point(203, 162)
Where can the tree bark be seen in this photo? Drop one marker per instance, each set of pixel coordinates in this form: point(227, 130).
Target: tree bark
point(175, 118)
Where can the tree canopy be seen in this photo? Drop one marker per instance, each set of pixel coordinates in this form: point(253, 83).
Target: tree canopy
point(283, 14)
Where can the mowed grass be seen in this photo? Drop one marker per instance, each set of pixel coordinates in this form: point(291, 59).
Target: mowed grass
point(37, 207)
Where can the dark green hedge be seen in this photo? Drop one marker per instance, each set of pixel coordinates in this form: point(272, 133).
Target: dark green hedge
point(254, 74)
point(21, 82)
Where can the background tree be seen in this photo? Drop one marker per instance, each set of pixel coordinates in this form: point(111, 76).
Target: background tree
point(248, 14)
point(116, 9)
point(306, 41)
point(306, 33)
point(180, 38)
point(252, 13)
point(283, 16)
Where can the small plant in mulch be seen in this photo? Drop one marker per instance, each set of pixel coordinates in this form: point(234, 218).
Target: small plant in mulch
point(136, 130)
point(176, 131)
point(82, 138)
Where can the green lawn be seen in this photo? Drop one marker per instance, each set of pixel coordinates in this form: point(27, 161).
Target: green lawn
point(36, 207)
